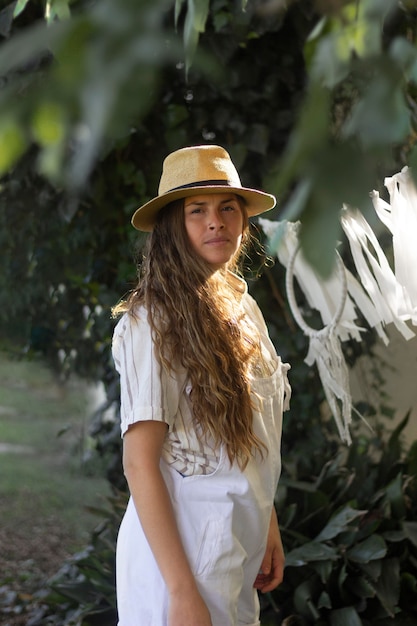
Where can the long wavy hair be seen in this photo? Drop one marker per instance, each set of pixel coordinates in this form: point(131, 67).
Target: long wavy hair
point(196, 321)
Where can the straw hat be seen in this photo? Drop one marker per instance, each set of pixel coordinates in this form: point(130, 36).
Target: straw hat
point(197, 170)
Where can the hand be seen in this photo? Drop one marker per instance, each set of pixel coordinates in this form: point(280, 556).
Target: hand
point(272, 567)
point(188, 609)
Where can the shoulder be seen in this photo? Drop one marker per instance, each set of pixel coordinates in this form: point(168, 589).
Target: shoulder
point(131, 327)
point(248, 303)
point(252, 309)
point(130, 321)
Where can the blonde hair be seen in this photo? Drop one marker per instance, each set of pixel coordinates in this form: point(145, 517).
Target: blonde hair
point(195, 321)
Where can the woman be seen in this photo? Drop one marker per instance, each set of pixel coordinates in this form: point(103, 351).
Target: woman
point(202, 394)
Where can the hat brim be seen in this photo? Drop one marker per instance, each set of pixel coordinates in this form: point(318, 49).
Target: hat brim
point(257, 202)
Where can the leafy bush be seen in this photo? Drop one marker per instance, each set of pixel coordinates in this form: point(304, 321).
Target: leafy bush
point(350, 535)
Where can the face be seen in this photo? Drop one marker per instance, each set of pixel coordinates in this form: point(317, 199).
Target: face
point(214, 225)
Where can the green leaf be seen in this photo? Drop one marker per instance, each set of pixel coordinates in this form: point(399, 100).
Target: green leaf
point(296, 204)
point(324, 601)
point(315, 38)
point(371, 549)
point(327, 67)
point(405, 54)
point(379, 9)
point(303, 599)
point(339, 523)
point(81, 591)
point(394, 442)
point(372, 569)
point(48, 124)
point(347, 616)
point(6, 19)
point(57, 9)
point(50, 161)
point(178, 7)
point(409, 582)
point(324, 570)
point(311, 551)
point(195, 23)
point(394, 536)
point(310, 135)
point(320, 231)
point(220, 20)
point(388, 585)
point(361, 586)
point(20, 7)
point(412, 460)
point(410, 529)
point(12, 143)
point(381, 117)
point(25, 46)
point(395, 496)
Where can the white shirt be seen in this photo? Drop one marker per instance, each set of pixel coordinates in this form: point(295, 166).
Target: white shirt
point(149, 392)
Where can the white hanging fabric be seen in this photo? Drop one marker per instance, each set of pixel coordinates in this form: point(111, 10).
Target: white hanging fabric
point(381, 296)
point(323, 295)
point(400, 217)
point(330, 297)
point(325, 350)
point(373, 269)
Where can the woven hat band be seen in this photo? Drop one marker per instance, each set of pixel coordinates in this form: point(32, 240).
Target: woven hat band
point(205, 183)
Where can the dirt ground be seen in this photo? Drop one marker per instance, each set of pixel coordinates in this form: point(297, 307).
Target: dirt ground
point(29, 555)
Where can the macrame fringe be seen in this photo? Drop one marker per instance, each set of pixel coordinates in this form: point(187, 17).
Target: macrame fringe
point(325, 349)
point(400, 217)
point(382, 296)
point(374, 271)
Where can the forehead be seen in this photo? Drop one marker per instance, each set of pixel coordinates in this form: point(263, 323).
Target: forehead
point(209, 198)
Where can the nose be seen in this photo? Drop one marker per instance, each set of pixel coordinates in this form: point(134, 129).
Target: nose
point(216, 221)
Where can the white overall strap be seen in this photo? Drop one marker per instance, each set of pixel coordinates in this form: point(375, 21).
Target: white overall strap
point(380, 283)
point(287, 387)
point(400, 217)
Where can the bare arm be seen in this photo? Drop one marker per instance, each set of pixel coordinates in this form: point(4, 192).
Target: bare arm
point(272, 568)
point(142, 449)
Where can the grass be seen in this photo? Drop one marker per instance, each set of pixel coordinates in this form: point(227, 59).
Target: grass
point(45, 486)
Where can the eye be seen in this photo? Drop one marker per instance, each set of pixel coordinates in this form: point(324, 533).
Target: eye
point(229, 207)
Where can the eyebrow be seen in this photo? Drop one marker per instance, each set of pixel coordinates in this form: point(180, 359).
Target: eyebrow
point(203, 202)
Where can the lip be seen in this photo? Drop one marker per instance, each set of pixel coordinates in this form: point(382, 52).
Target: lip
point(216, 241)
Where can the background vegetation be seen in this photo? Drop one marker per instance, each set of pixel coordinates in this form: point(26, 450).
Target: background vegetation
point(48, 479)
point(316, 102)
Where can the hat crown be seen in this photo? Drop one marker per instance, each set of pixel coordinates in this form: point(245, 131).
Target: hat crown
point(196, 166)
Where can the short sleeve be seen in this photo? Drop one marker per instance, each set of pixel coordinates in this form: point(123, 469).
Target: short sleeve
point(147, 391)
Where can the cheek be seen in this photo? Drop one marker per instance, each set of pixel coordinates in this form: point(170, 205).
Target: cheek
point(191, 232)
